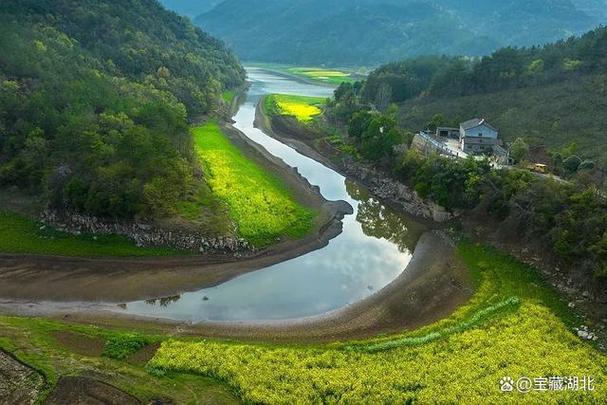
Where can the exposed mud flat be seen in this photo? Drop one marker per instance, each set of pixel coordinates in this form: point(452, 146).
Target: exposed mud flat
point(84, 390)
point(432, 286)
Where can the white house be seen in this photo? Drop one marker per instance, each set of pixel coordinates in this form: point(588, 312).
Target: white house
point(478, 136)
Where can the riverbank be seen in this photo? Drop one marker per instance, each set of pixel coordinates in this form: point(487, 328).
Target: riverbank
point(40, 277)
point(432, 286)
point(307, 142)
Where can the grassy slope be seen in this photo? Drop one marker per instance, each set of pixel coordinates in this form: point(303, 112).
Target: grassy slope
point(552, 115)
point(258, 201)
point(303, 108)
point(513, 326)
point(228, 96)
point(19, 234)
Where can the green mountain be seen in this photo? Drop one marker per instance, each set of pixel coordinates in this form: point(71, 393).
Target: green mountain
point(95, 102)
point(368, 32)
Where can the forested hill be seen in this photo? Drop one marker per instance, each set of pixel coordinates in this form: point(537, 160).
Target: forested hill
point(552, 96)
point(95, 100)
point(369, 32)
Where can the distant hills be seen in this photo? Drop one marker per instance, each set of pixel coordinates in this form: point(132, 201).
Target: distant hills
point(369, 32)
point(190, 8)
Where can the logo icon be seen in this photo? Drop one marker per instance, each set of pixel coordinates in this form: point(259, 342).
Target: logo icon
point(507, 384)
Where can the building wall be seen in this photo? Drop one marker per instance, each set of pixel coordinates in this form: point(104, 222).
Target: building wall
point(477, 131)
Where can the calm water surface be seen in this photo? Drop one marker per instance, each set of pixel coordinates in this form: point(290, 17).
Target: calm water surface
point(374, 248)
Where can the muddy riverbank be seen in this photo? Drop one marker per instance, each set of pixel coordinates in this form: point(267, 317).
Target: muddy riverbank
point(307, 142)
point(432, 286)
point(33, 277)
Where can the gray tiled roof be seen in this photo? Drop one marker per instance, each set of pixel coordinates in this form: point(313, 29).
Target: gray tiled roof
point(473, 123)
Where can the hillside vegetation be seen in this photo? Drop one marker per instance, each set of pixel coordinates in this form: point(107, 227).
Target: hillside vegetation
point(368, 32)
point(550, 96)
point(96, 98)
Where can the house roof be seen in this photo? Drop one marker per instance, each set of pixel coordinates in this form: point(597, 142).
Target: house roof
point(473, 123)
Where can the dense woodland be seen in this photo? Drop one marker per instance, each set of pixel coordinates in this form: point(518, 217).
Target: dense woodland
point(368, 32)
point(96, 99)
point(568, 217)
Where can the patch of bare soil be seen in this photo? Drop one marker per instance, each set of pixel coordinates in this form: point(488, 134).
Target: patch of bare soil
point(143, 355)
point(80, 344)
point(19, 384)
point(87, 391)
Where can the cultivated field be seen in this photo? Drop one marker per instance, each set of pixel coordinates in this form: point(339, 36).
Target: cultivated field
point(304, 109)
point(260, 204)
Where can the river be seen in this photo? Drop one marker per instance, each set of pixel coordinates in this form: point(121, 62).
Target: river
point(374, 248)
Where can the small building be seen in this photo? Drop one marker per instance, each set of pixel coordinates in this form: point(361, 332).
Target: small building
point(447, 132)
point(478, 136)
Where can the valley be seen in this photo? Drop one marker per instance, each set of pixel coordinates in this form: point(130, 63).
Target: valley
point(178, 226)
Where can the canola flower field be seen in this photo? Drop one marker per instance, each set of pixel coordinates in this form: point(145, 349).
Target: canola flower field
point(303, 108)
point(513, 326)
point(259, 203)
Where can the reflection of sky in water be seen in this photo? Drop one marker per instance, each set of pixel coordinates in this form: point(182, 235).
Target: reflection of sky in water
point(352, 267)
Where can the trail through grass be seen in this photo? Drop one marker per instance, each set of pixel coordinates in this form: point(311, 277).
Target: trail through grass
point(259, 202)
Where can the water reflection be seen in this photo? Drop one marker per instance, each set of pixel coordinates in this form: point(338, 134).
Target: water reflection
point(163, 302)
point(373, 249)
point(379, 221)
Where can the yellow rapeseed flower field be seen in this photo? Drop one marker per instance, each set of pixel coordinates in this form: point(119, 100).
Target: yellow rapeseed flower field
point(260, 204)
point(304, 109)
point(458, 360)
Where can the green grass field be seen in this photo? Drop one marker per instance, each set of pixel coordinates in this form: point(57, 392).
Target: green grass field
point(22, 235)
point(303, 108)
point(104, 353)
point(329, 76)
point(260, 204)
point(514, 326)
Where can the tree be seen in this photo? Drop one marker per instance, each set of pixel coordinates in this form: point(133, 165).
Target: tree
point(436, 121)
point(384, 96)
point(572, 163)
point(519, 150)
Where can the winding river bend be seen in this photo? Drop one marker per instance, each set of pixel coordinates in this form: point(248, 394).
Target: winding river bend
point(374, 248)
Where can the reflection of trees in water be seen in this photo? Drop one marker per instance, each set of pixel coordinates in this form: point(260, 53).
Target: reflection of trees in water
point(380, 221)
point(164, 302)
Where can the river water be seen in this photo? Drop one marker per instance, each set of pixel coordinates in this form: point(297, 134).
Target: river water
point(374, 248)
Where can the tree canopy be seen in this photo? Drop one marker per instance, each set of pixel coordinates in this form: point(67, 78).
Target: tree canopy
point(95, 101)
